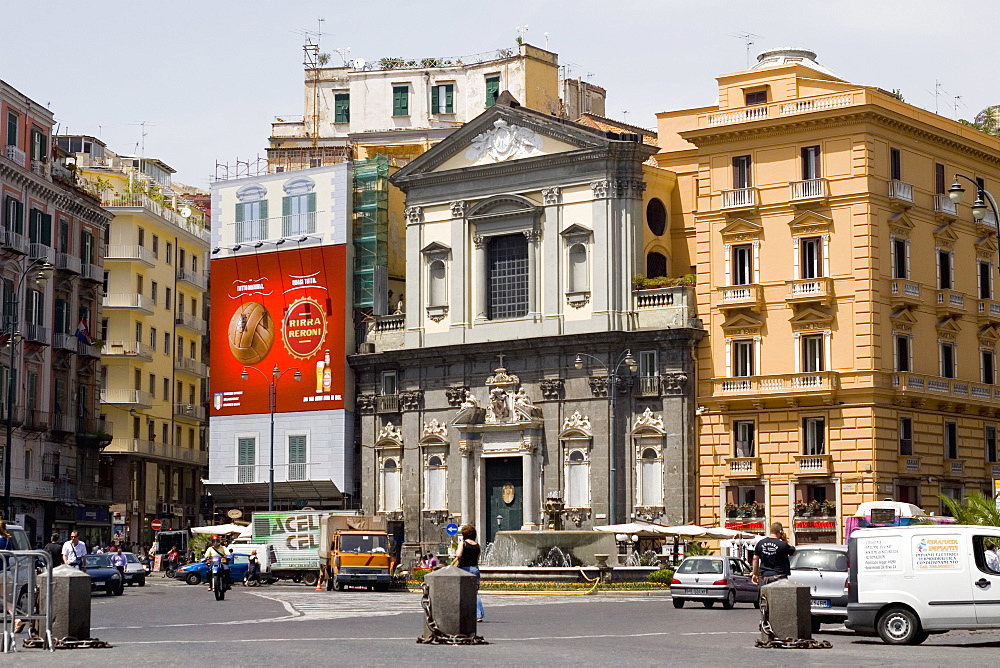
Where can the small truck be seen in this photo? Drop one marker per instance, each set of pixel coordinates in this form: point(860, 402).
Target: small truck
point(355, 552)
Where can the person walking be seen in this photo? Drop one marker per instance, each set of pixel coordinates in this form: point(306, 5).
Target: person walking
point(118, 560)
point(429, 562)
point(468, 560)
point(253, 569)
point(54, 548)
point(74, 550)
point(770, 557)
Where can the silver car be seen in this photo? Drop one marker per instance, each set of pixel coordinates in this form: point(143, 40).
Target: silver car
point(135, 572)
point(823, 568)
point(711, 579)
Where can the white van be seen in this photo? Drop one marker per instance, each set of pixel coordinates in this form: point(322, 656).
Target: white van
point(908, 582)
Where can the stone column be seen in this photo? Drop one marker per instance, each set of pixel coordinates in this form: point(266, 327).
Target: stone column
point(480, 279)
point(528, 486)
point(466, 451)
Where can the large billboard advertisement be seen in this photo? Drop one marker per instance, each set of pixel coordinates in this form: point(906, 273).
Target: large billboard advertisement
point(283, 309)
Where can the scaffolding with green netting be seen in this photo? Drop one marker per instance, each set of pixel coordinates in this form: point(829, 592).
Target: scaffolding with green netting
point(371, 232)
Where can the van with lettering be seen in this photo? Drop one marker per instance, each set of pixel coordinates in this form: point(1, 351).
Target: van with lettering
point(910, 581)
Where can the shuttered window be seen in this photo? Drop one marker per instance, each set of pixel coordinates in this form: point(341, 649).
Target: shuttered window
point(492, 90)
point(342, 108)
point(400, 100)
point(246, 458)
point(298, 214)
point(296, 457)
point(13, 215)
point(443, 99)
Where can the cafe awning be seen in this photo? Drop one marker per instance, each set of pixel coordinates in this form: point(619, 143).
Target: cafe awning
point(313, 492)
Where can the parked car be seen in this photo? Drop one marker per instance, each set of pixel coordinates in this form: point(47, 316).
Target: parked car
point(711, 579)
point(823, 568)
point(103, 575)
point(135, 572)
point(197, 572)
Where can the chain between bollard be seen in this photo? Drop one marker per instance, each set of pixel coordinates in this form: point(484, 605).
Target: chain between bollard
point(773, 642)
point(69, 642)
point(437, 636)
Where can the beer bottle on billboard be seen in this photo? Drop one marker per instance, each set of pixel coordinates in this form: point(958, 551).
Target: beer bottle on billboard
point(320, 366)
point(327, 374)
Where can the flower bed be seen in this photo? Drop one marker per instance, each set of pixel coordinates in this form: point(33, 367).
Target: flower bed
point(563, 586)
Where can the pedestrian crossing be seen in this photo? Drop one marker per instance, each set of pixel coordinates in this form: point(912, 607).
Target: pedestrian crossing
point(309, 605)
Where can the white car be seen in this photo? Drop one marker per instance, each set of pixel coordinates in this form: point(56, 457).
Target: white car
point(135, 572)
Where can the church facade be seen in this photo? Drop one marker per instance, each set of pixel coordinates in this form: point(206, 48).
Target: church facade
point(542, 371)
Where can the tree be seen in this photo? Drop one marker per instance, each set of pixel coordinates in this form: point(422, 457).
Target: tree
point(976, 509)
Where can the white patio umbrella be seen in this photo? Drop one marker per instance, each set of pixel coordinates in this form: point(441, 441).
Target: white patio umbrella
point(633, 529)
point(219, 529)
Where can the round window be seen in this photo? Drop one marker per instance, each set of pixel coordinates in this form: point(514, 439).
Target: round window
point(656, 217)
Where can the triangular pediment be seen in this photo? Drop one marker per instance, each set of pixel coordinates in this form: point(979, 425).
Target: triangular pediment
point(903, 315)
point(986, 247)
point(989, 333)
point(948, 325)
point(435, 248)
point(742, 321)
point(576, 231)
point(810, 221)
point(504, 134)
point(946, 234)
point(900, 221)
point(810, 317)
point(740, 227)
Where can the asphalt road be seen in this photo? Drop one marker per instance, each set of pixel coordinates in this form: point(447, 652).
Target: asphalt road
point(168, 623)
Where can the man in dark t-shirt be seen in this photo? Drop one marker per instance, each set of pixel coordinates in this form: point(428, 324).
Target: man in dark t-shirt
point(54, 548)
point(770, 557)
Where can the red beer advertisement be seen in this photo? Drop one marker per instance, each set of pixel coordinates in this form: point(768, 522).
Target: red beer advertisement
point(284, 309)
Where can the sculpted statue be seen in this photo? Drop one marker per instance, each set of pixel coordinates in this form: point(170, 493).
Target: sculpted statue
point(524, 409)
point(498, 410)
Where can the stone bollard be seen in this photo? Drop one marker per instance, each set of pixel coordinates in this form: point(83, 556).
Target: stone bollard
point(603, 567)
point(453, 601)
point(788, 610)
point(70, 601)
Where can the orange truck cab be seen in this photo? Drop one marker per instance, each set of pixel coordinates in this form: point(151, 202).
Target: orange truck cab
point(359, 553)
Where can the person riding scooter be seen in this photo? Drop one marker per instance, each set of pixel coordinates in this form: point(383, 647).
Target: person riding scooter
point(216, 551)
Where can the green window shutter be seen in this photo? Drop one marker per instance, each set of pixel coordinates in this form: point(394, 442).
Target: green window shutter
point(239, 212)
point(263, 209)
point(492, 90)
point(400, 101)
point(286, 206)
point(246, 448)
point(34, 225)
point(435, 98)
point(311, 202)
point(449, 99)
point(47, 229)
point(341, 108)
point(296, 449)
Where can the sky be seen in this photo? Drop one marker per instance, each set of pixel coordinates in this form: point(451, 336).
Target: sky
point(202, 81)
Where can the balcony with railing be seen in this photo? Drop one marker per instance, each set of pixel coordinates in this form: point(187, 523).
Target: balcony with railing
point(988, 311)
point(63, 341)
point(35, 420)
point(784, 384)
point(189, 411)
point(133, 349)
point(901, 191)
point(382, 332)
point(127, 397)
point(129, 253)
point(42, 252)
point(814, 464)
point(387, 403)
point(16, 155)
point(63, 424)
point(806, 290)
point(810, 189)
point(649, 386)
point(193, 323)
point(128, 300)
point(84, 349)
point(156, 450)
point(915, 385)
point(740, 296)
point(93, 493)
point(189, 365)
point(904, 293)
point(193, 278)
point(92, 425)
point(665, 308)
point(36, 333)
point(14, 242)
point(740, 198)
point(190, 225)
point(91, 272)
point(944, 207)
point(779, 109)
point(260, 229)
point(743, 467)
point(950, 302)
point(66, 262)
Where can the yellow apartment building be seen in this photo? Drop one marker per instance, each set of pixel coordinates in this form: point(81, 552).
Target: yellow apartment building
point(849, 304)
point(154, 380)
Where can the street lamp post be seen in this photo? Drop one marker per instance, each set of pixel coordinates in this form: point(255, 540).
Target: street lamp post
point(42, 270)
point(272, 400)
point(626, 359)
point(956, 193)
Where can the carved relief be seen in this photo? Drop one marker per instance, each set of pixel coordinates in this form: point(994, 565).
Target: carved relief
point(458, 209)
point(577, 421)
point(552, 196)
point(602, 189)
point(524, 408)
point(649, 419)
point(414, 215)
point(410, 401)
point(390, 432)
point(456, 395)
point(599, 386)
point(672, 383)
point(480, 241)
point(435, 428)
point(532, 234)
point(498, 410)
point(503, 142)
point(365, 403)
point(551, 389)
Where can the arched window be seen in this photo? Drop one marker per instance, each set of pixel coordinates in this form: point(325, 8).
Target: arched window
point(437, 288)
point(651, 477)
point(391, 499)
point(578, 271)
point(656, 264)
point(656, 217)
point(437, 476)
point(577, 480)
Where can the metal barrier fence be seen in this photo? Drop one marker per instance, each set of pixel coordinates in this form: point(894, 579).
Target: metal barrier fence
point(20, 598)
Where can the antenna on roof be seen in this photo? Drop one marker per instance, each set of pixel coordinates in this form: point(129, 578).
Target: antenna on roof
point(748, 38)
point(957, 100)
point(938, 92)
point(520, 33)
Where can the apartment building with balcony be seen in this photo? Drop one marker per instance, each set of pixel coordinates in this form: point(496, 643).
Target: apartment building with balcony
point(60, 479)
point(524, 233)
point(850, 305)
point(154, 321)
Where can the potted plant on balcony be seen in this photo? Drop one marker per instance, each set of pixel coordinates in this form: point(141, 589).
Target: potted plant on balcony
point(641, 282)
point(827, 509)
point(801, 509)
point(730, 510)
